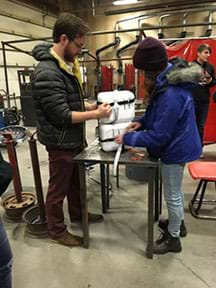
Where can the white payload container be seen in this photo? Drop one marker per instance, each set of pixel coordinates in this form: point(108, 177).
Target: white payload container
point(107, 133)
point(123, 105)
point(123, 112)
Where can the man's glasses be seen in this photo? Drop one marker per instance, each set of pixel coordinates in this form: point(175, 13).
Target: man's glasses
point(79, 46)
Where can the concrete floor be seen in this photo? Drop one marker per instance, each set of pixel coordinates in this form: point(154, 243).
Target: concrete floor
point(116, 257)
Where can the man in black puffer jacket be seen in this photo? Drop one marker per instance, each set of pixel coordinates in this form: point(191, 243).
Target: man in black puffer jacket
point(201, 93)
point(61, 114)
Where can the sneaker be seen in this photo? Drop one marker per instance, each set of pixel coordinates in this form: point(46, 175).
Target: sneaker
point(92, 218)
point(68, 239)
point(170, 244)
point(163, 224)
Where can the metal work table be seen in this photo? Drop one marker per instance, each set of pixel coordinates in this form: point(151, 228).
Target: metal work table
point(94, 155)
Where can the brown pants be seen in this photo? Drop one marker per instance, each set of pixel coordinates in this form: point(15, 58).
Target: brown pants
point(63, 182)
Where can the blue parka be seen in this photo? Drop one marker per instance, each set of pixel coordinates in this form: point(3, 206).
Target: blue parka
point(169, 128)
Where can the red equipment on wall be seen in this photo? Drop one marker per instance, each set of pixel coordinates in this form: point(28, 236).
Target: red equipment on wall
point(187, 50)
point(141, 85)
point(129, 77)
point(106, 78)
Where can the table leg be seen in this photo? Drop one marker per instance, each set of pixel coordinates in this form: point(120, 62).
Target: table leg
point(84, 205)
point(150, 240)
point(117, 177)
point(107, 186)
point(157, 196)
point(160, 188)
point(103, 188)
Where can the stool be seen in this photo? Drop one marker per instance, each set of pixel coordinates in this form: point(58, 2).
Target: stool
point(205, 172)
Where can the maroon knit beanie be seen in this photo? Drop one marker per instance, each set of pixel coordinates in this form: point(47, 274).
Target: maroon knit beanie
point(150, 55)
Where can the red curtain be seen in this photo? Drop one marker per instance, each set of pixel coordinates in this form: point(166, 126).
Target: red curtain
point(187, 50)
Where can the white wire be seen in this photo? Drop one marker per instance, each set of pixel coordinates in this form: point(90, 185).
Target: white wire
point(116, 160)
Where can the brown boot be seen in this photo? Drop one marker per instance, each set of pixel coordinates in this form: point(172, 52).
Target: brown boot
point(92, 218)
point(69, 239)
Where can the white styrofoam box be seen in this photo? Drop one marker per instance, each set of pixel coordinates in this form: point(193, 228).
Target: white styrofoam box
point(123, 105)
point(108, 132)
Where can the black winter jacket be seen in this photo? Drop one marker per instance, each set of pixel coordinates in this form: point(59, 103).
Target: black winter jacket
point(201, 94)
point(56, 95)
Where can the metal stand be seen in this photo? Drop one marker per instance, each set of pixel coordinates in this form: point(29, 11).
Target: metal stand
point(35, 217)
point(15, 205)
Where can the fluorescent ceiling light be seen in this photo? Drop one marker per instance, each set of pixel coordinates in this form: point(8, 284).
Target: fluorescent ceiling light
point(124, 2)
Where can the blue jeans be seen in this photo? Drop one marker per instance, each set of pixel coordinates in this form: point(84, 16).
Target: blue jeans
point(201, 112)
point(172, 175)
point(5, 259)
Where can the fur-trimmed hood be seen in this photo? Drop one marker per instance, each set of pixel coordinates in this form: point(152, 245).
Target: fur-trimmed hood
point(183, 72)
point(179, 72)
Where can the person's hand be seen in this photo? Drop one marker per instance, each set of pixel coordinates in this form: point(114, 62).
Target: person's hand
point(208, 77)
point(133, 126)
point(104, 110)
point(119, 139)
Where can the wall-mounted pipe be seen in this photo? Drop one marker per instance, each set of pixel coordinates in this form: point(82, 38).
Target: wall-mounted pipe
point(184, 32)
point(86, 51)
point(119, 52)
point(112, 44)
point(160, 31)
point(150, 28)
point(141, 18)
point(93, 7)
point(98, 51)
point(209, 29)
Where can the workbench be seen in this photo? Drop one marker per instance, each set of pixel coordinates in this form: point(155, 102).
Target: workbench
point(94, 155)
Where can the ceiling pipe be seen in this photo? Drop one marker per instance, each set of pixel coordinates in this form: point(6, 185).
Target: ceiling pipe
point(160, 6)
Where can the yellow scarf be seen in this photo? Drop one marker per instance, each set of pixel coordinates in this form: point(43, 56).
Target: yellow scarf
point(72, 69)
point(76, 71)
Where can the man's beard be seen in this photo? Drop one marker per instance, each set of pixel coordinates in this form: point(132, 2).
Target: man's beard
point(68, 55)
